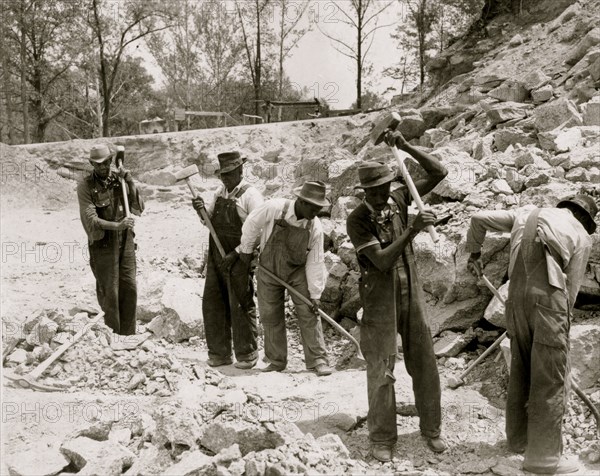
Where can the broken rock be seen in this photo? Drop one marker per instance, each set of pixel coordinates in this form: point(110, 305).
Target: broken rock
point(43, 462)
point(192, 463)
point(543, 94)
point(560, 112)
point(510, 91)
point(591, 111)
point(506, 111)
point(585, 353)
point(177, 305)
point(97, 458)
point(494, 312)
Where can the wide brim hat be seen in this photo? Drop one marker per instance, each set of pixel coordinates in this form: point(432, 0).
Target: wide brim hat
point(99, 153)
point(374, 174)
point(313, 192)
point(586, 204)
point(229, 161)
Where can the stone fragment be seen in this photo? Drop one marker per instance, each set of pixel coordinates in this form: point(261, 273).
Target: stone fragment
point(585, 354)
point(591, 112)
point(451, 344)
point(516, 40)
point(412, 125)
point(192, 463)
point(494, 312)
point(501, 186)
point(534, 80)
point(577, 174)
point(41, 462)
point(543, 94)
point(95, 458)
point(506, 111)
point(510, 91)
point(560, 112)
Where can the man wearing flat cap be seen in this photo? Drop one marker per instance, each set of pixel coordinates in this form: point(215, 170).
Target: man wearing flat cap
point(228, 304)
point(291, 247)
point(392, 299)
point(549, 250)
point(111, 238)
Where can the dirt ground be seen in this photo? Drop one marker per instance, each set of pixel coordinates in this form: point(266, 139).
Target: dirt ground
point(44, 264)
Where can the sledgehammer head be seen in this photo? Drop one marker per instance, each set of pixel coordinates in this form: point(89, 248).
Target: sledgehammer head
point(187, 172)
point(382, 125)
point(454, 382)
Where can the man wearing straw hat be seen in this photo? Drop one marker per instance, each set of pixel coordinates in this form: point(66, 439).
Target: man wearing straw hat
point(291, 247)
point(110, 238)
point(228, 304)
point(392, 299)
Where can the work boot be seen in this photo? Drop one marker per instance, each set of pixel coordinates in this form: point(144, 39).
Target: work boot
point(272, 368)
point(381, 452)
point(219, 362)
point(565, 466)
point(245, 364)
point(322, 370)
point(437, 444)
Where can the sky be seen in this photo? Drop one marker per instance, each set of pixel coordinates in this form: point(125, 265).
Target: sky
point(318, 66)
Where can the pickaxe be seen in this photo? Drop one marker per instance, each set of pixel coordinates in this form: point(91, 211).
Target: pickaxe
point(377, 135)
point(457, 382)
point(30, 380)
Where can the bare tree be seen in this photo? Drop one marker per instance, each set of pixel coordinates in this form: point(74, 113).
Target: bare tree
point(252, 16)
point(362, 16)
point(223, 46)
point(288, 33)
point(114, 33)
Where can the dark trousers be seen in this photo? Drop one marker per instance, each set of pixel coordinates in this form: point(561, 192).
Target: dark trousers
point(538, 321)
point(420, 362)
point(224, 315)
point(112, 260)
point(271, 304)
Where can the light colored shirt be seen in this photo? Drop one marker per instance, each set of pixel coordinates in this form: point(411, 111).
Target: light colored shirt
point(259, 226)
point(249, 201)
point(568, 243)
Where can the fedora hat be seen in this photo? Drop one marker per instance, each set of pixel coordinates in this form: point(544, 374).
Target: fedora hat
point(586, 204)
point(229, 161)
point(313, 192)
point(373, 174)
point(99, 153)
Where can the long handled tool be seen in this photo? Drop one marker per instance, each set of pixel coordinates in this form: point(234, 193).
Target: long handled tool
point(185, 174)
point(30, 380)
point(322, 313)
point(457, 382)
point(119, 161)
point(377, 135)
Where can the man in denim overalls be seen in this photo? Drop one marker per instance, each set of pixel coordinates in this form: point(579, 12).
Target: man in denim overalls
point(548, 256)
point(228, 304)
point(110, 238)
point(392, 299)
point(291, 244)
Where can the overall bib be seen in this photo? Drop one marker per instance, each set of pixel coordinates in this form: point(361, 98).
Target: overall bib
point(538, 322)
point(284, 255)
point(392, 305)
point(229, 309)
point(112, 260)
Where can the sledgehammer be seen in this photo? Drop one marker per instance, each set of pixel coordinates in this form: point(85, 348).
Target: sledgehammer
point(185, 174)
point(377, 135)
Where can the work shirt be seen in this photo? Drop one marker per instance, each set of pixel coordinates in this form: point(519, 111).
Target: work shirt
point(567, 242)
point(259, 226)
point(249, 201)
point(103, 199)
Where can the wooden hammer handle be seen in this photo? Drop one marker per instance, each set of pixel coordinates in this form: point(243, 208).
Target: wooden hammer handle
point(207, 222)
point(40, 369)
point(413, 190)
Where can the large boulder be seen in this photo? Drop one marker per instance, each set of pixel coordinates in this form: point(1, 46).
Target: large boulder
point(463, 173)
point(506, 111)
point(585, 354)
point(173, 305)
point(560, 112)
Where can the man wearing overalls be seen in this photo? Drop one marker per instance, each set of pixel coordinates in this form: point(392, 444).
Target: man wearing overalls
point(392, 299)
point(291, 247)
point(549, 249)
point(228, 302)
point(110, 238)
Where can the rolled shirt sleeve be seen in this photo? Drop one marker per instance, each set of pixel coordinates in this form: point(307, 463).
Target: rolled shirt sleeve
point(315, 261)
point(136, 203)
point(482, 222)
point(253, 226)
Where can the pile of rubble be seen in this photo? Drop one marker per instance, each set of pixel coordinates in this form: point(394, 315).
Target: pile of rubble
point(99, 360)
point(223, 432)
